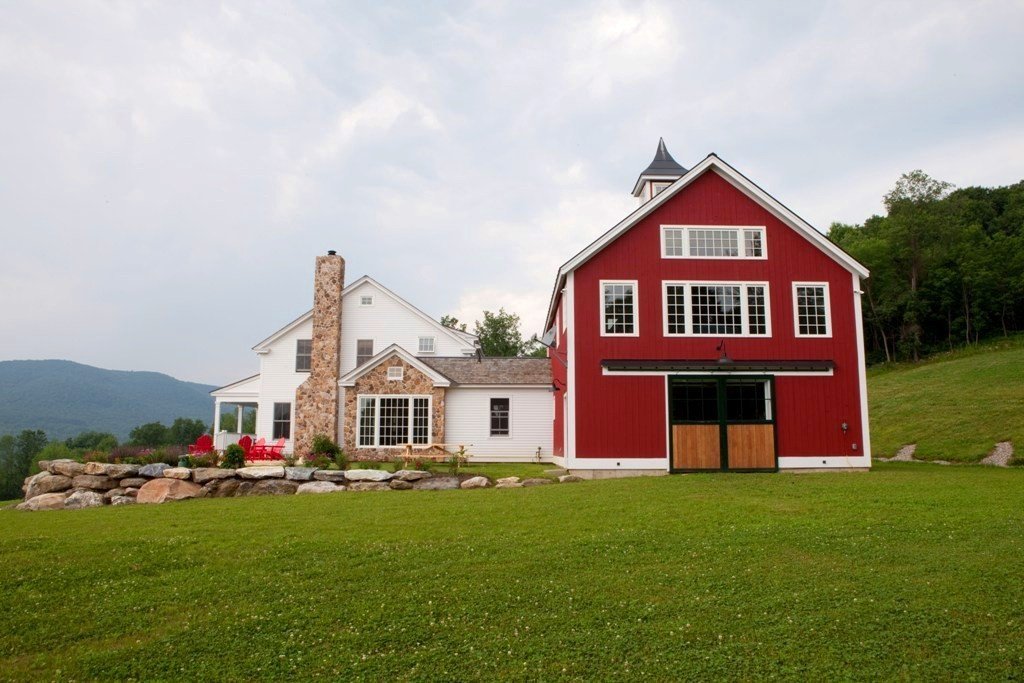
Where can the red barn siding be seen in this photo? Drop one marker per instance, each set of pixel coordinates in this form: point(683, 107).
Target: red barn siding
point(623, 417)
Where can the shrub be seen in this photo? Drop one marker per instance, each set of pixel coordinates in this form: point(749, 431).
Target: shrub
point(456, 460)
point(423, 464)
point(320, 462)
point(168, 455)
point(341, 459)
point(397, 463)
point(203, 459)
point(234, 457)
point(325, 446)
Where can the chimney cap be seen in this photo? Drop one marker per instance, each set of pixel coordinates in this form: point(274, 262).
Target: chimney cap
point(332, 252)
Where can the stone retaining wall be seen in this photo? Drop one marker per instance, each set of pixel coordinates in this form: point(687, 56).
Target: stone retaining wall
point(70, 485)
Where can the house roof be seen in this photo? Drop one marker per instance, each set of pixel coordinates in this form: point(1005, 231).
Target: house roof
point(710, 163)
point(460, 336)
point(662, 167)
point(438, 378)
point(236, 387)
point(473, 370)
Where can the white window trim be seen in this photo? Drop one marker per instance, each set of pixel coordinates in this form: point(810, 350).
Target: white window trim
point(828, 311)
point(433, 345)
point(739, 240)
point(744, 304)
point(400, 375)
point(636, 308)
point(376, 418)
point(372, 345)
point(371, 297)
point(499, 436)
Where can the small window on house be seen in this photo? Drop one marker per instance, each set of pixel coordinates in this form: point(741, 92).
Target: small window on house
point(618, 300)
point(656, 188)
point(712, 242)
point(366, 300)
point(499, 416)
point(811, 306)
point(709, 242)
point(752, 243)
point(426, 344)
point(364, 351)
point(303, 355)
point(282, 421)
point(396, 373)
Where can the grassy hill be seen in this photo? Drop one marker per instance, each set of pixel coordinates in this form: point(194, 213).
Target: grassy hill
point(713, 577)
point(64, 398)
point(955, 406)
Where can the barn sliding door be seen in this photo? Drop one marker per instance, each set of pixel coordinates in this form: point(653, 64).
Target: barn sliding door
point(722, 424)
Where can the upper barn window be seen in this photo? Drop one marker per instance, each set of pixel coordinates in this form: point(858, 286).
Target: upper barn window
point(618, 309)
point(712, 241)
point(811, 307)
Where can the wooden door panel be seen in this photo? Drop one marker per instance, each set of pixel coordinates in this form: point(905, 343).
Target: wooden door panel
point(751, 447)
point(696, 447)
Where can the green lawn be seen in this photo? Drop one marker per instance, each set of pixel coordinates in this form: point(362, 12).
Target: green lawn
point(954, 406)
point(907, 572)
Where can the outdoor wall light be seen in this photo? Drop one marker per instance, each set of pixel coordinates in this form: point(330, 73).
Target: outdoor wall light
point(845, 427)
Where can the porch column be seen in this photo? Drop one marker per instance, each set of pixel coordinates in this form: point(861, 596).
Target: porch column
point(216, 415)
point(238, 422)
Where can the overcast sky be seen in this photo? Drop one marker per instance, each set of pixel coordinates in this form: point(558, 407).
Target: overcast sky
point(169, 171)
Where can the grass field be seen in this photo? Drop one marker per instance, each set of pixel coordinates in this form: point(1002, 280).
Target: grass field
point(955, 406)
point(906, 572)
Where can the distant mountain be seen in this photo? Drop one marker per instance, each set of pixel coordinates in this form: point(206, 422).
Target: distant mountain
point(64, 398)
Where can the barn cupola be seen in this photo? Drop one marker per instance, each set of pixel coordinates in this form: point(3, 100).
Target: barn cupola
point(661, 173)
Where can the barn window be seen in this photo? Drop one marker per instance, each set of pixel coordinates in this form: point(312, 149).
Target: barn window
point(499, 416)
point(811, 305)
point(716, 309)
point(618, 302)
point(303, 355)
point(712, 241)
point(392, 421)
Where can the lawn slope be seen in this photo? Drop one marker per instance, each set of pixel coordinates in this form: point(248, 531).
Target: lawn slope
point(954, 407)
point(821, 576)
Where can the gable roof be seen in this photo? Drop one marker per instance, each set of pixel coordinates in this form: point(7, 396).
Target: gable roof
point(237, 387)
point(436, 377)
point(736, 179)
point(457, 335)
point(473, 370)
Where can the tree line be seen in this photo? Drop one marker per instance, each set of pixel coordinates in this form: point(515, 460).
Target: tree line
point(947, 266)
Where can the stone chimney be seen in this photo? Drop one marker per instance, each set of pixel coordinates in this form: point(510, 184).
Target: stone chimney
point(316, 399)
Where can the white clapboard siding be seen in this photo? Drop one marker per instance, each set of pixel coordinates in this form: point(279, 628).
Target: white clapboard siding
point(468, 422)
point(278, 379)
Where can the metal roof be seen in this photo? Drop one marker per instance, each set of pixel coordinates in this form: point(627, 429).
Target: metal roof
point(663, 163)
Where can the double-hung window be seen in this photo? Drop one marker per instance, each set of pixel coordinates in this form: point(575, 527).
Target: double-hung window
point(716, 309)
point(364, 351)
point(500, 410)
point(812, 317)
point(713, 241)
point(282, 421)
point(303, 355)
point(619, 309)
point(393, 421)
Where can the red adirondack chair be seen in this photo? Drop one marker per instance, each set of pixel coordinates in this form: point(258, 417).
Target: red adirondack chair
point(258, 450)
point(276, 452)
point(204, 444)
point(246, 443)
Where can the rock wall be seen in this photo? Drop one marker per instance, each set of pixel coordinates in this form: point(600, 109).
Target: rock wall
point(316, 399)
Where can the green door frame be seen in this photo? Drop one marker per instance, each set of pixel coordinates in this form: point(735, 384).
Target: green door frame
point(723, 423)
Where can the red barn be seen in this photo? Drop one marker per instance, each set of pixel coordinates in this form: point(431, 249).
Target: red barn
point(711, 329)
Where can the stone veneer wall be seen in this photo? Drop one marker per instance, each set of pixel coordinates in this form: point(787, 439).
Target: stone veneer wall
point(376, 382)
point(316, 399)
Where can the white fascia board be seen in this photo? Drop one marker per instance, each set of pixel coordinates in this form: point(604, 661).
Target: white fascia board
point(655, 177)
point(438, 379)
point(234, 385)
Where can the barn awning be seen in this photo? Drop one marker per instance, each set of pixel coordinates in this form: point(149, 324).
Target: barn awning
point(718, 366)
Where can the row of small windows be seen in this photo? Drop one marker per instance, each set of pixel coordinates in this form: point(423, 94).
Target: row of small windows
point(715, 309)
point(690, 241)
point(364, 351)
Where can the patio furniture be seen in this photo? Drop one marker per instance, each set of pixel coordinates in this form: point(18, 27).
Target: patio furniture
point(246, 443)
point(258, 450)
point(204, 444)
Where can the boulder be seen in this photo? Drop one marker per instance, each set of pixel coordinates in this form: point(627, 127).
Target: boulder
point(242, 489)
point(262, 472)
point(69, 468)
point(113, 492)
point(131, 482)
point(122, 500)
point(436, 484)
point(319, 487)
point(83, 499)
point(475, 483)
point(44, 501)
point(131, 491)
point(400, 484)
point(411, 475)
point(93, 481)
point(369, 486)
point(112, 470)
point(44, 482)
point(153, 471)
point(44, 465)
point(209, 489)
point(329, 475)
point(509, 480)
point(536, 481)
point(510, 484)
point(299, 473)
point(201, 475)
point(165, 489)
point(226, 488)
point(367, 475)
point(569, 479)
point(182, 473)
point(274, 487)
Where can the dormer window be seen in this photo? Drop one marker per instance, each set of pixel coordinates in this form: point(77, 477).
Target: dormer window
point(366, 300)
point(713, 241)
point(657, 187)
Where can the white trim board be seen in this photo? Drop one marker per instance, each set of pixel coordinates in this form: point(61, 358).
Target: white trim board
point(349, 379)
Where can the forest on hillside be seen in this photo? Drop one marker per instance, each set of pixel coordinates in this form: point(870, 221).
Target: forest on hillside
point(947, 266)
